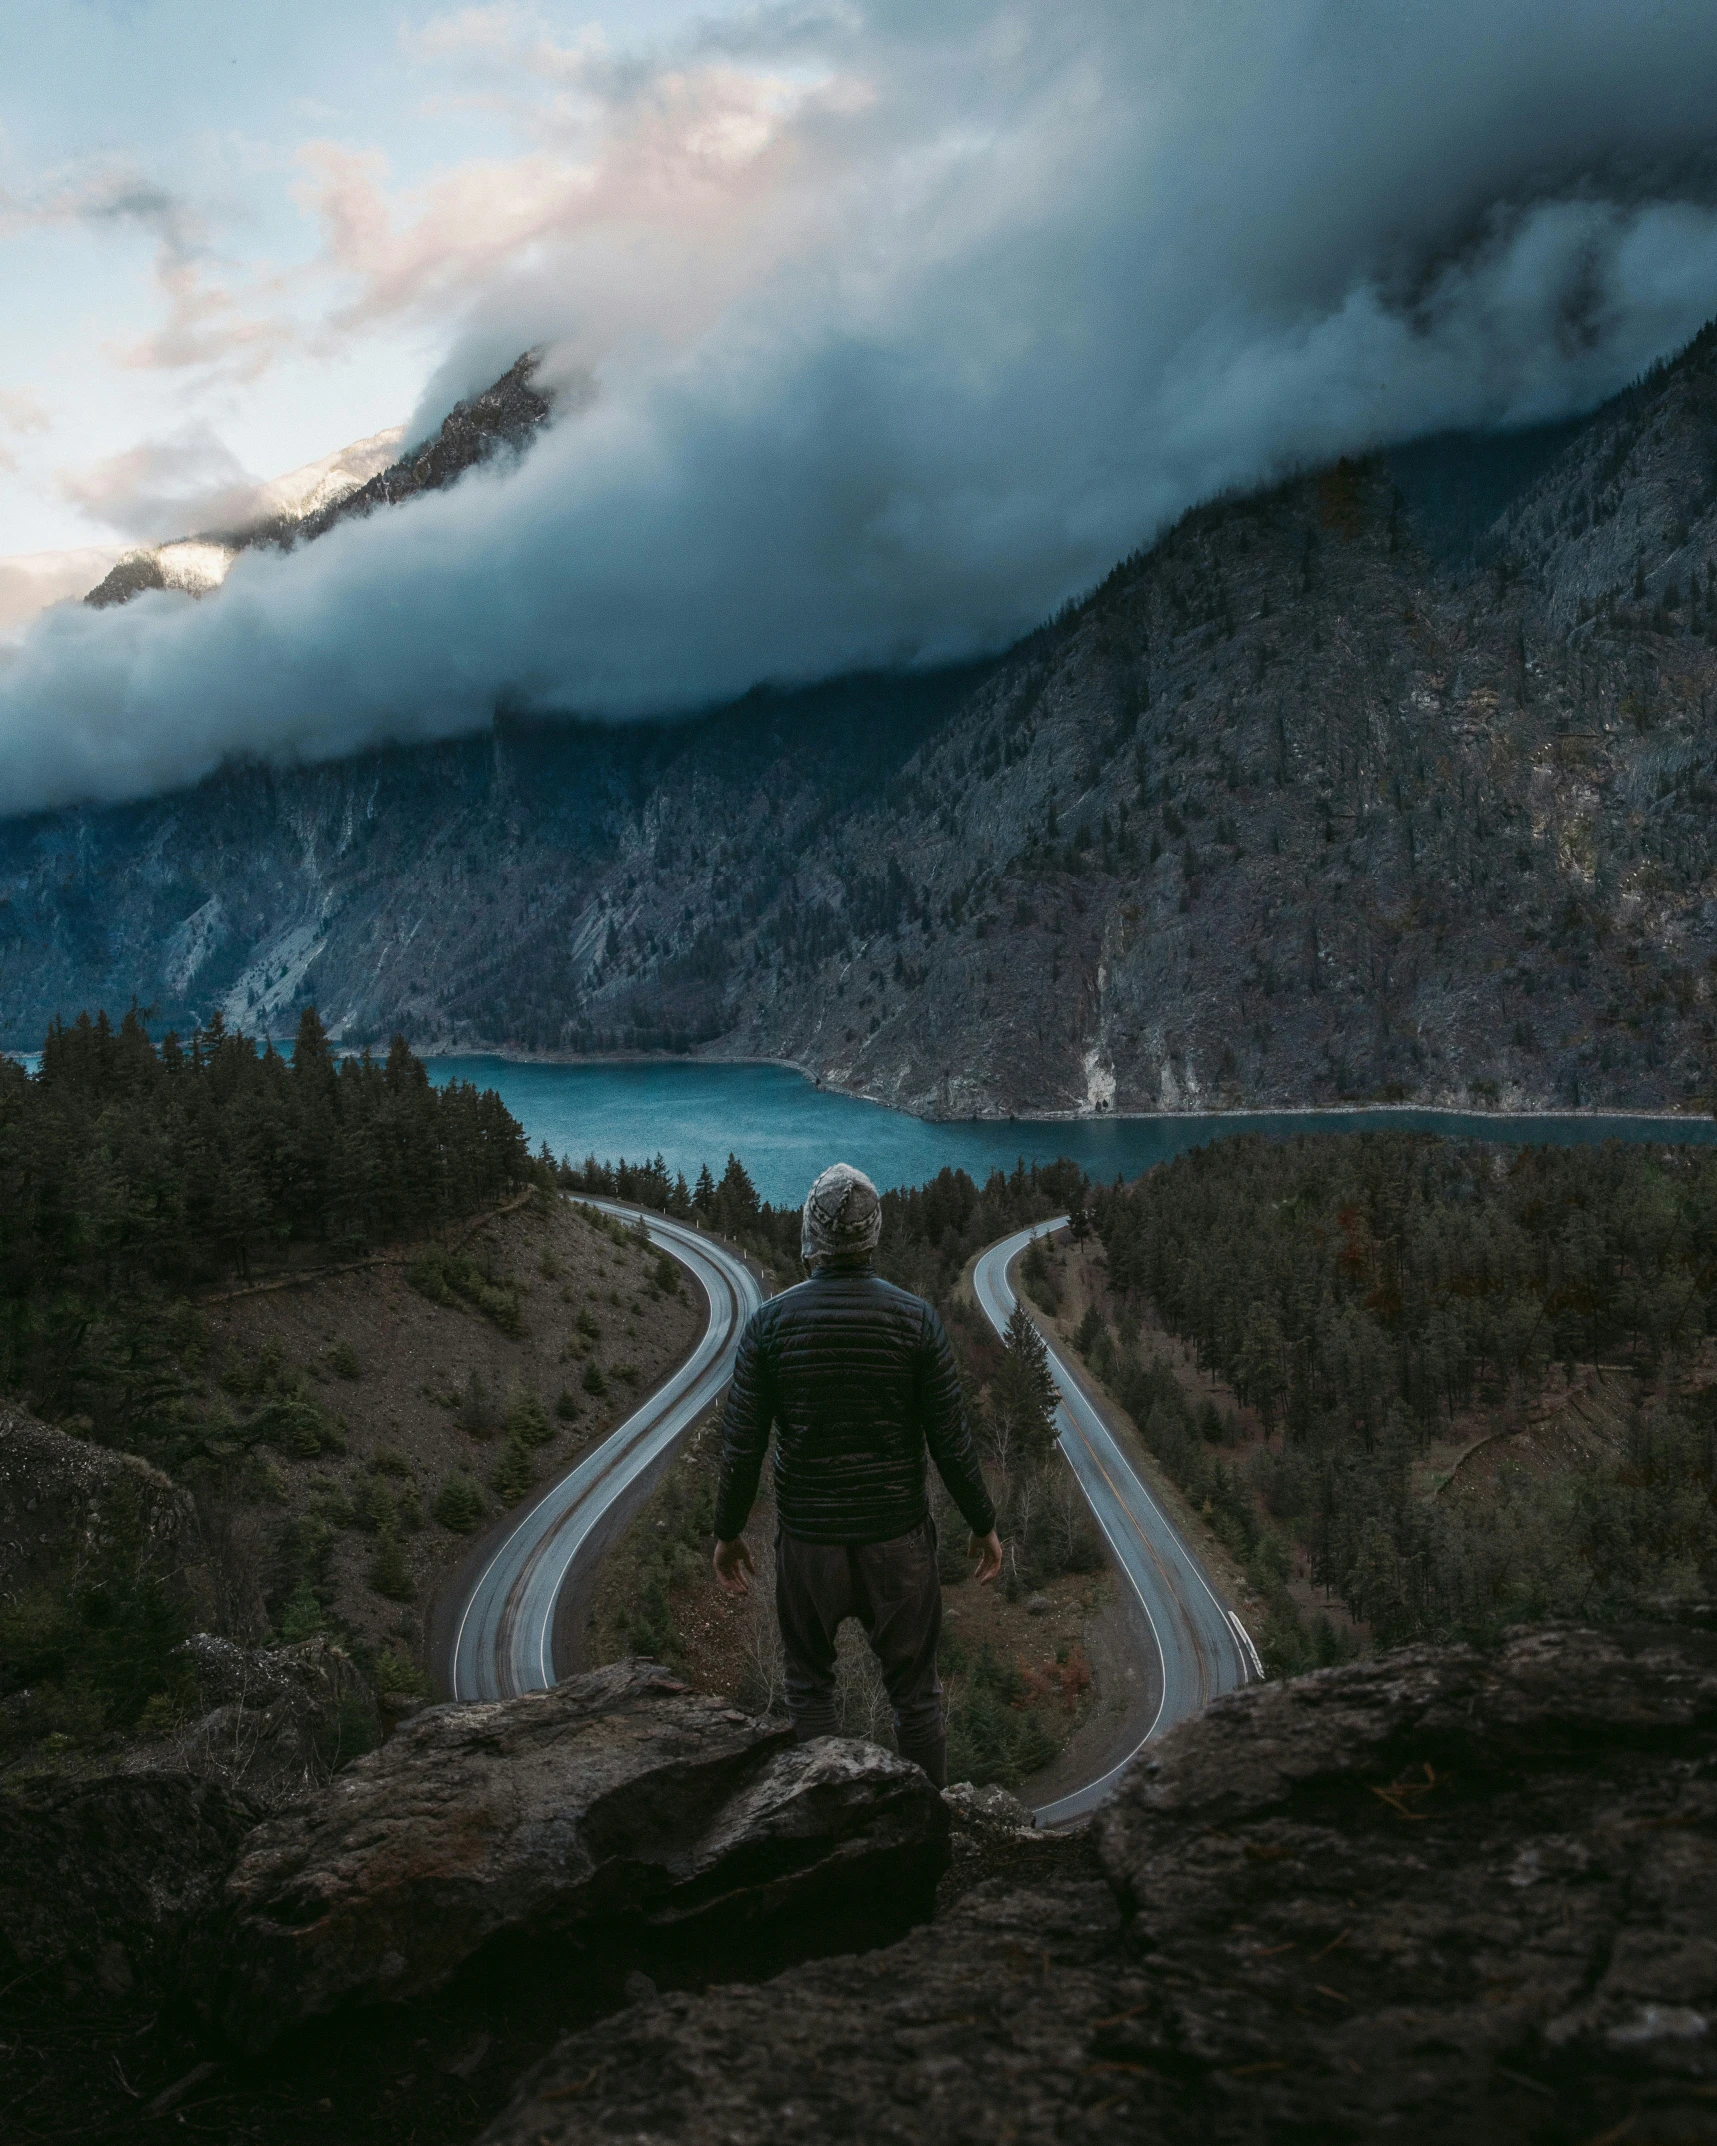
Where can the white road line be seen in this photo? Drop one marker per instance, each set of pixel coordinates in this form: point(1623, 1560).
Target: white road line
point(1245, 1639)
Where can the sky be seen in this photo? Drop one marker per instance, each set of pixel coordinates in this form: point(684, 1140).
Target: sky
point(877, 327)
point(170, 195)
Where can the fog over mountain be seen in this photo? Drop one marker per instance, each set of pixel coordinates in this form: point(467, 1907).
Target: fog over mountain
point(914, 326)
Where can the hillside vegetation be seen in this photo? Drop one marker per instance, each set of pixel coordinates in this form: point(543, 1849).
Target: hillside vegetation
point(132, 1175)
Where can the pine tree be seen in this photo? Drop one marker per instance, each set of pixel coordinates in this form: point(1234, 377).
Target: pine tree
point(303, 1617)
point(736, 1202)
point(375, 1508)
point(312, 1056)
point(1023, 1392)
point(459, 1506)
point(512, 1475)
point(526, 1423)
point(390, 1574)
point(476, 1415)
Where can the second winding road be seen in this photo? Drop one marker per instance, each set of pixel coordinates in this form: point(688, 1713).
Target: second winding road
point(1202, 1646)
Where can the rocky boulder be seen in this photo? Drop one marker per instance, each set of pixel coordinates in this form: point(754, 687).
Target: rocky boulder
point(1438, 1896)
point(60, 1495)
point(1431, 1878)
point(109, 1885)
point(273, 1722)
point(987, 1810)
point(113, 1862)
point(620, 1800)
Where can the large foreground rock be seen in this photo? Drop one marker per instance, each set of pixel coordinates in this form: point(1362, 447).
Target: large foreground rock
point(621, 1800)
point(1514, 1858)
point(1436, 1897)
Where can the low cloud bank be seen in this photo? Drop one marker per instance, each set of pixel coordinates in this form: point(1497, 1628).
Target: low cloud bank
point(986, 293)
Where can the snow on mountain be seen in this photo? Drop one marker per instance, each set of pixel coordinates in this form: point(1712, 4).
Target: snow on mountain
point(194, 565)
point(323, 484)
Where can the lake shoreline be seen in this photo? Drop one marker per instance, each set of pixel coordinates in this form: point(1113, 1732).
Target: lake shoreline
point(785, 1127)
point(1576, 1114)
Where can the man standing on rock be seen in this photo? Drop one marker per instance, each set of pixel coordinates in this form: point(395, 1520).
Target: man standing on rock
point(858, 1380)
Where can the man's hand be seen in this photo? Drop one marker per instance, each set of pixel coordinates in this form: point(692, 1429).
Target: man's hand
point(987, 1549)
point(733, 1563)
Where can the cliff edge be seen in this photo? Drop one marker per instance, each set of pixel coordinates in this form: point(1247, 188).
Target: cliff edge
point(1443, 1894)
point(1436, 1896)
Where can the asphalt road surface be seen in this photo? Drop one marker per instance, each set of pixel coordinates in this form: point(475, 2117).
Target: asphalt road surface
point(1203, 1648)
point(503, 1643)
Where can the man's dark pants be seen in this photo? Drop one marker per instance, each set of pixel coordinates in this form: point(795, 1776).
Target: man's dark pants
point(893, 1590)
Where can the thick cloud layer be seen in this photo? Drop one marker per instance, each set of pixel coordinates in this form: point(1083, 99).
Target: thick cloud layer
point(905, 322)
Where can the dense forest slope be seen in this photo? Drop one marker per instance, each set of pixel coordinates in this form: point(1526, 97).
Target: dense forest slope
point(1393, 780)
point(1459, 1389)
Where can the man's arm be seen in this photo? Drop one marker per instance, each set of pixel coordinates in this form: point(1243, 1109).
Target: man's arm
point(947, 1433)
point(745, 1428)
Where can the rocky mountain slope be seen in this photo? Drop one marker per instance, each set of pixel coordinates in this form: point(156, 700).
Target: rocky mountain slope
point(1391, 781)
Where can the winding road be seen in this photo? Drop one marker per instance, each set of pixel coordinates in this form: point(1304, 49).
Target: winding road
point(1202, 1646)
point(504, 1638)
point(503, 1643)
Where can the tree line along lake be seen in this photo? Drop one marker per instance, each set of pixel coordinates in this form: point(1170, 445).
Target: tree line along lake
point(785, 1129)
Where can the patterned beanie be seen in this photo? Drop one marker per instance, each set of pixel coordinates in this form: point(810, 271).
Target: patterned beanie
point(843, 1216)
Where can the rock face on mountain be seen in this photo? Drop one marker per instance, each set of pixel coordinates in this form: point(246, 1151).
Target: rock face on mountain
point(126, 578)
point(1436, 1896)
point(1325, 796)
point(620, 1800)
point(268, 1724)
point(505, 415)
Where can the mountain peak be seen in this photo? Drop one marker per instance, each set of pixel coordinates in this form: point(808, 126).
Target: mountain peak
point(355, 480)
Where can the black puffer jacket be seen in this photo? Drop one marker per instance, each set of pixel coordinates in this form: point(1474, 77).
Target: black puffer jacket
point(858, 1378)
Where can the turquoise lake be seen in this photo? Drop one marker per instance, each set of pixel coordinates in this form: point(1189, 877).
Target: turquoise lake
point(785, 1130)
